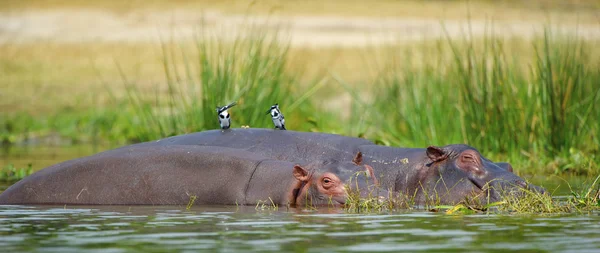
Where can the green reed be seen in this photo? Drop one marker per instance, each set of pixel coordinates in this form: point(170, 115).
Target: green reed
point(477, 91)
point(249, 69)
point(537, 107)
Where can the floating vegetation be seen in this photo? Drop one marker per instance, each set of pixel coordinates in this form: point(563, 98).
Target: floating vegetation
point(518, 201)
point(526, 201)
point(266, 205)
point(372, 203)
point(463, 208)
point(191, 202)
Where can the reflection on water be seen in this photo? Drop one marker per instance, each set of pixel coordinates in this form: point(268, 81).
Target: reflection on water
point(174, 229)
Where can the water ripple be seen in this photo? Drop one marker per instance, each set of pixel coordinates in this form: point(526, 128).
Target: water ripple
point(173, 229)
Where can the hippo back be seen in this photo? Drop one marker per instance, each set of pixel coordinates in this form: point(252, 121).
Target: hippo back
point(389, 162)
point(281, 145)
point(143, 175)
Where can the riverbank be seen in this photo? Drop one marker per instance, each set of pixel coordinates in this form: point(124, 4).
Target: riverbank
point(522, 88)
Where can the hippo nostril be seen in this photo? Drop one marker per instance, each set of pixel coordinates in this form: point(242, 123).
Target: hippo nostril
point(522, 184)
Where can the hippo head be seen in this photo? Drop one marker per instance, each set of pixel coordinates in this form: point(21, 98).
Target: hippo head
point(460, 170)
point(326, 182)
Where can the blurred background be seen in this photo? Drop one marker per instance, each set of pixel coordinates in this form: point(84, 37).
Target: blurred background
point(519, 80)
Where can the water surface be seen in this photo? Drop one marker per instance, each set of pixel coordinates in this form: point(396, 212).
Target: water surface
point(244, 229)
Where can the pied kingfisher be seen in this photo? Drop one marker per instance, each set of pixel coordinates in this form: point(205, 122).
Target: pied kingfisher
point(224, 119)
point(277, 117)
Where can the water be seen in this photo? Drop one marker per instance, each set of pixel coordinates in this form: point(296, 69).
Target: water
point(231, 229)
point(244, 229)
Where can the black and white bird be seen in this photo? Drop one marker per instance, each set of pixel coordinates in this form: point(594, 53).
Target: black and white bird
point(224, 119)
point(277, 117)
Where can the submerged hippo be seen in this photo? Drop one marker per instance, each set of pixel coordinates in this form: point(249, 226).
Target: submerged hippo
point(171, 175)
point(446, 175)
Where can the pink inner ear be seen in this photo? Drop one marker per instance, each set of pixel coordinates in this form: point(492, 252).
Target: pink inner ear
point(300, 173)
point(436, 154)
point(358, 158)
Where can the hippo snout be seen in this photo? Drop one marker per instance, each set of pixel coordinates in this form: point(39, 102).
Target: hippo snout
point(367, 193)
point(341, 200)
point(514, 188)
point(533, 188)
point(377, 193)
point(522, 185)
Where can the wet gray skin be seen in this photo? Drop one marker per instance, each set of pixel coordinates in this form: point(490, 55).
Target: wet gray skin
point(171, 175)
point(356, 178)
point(459, 171)
point(410, 171)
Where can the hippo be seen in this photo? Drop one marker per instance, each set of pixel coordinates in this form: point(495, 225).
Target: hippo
point(171, 175)
point(450, 173)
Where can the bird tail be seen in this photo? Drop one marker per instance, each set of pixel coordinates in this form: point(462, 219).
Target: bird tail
point(232, 104)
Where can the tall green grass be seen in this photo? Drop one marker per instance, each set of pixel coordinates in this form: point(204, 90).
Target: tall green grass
point(539, 104)
point(250, 69)
point(475, 91)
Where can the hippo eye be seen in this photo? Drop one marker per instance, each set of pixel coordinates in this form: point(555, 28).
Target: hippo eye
point(468, 158)
point(327, 183)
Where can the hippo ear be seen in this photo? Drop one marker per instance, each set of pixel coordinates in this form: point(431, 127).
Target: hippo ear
point(300, 173)
point(358, 158)
point(505, 166)
point(436, 154)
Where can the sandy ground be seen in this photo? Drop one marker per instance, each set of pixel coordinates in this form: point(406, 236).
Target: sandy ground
point(75, 26)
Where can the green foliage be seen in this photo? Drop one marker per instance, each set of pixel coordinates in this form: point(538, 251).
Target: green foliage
point(10, 173)
point(369, 202)
point(588, 198)
point(266, 205)
point(575, 162)
point(465, 208)
point(518, 201)
point(88, 125)
point(456, 91)
point(251, 70)
point(481, 95)
point(524, 201)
